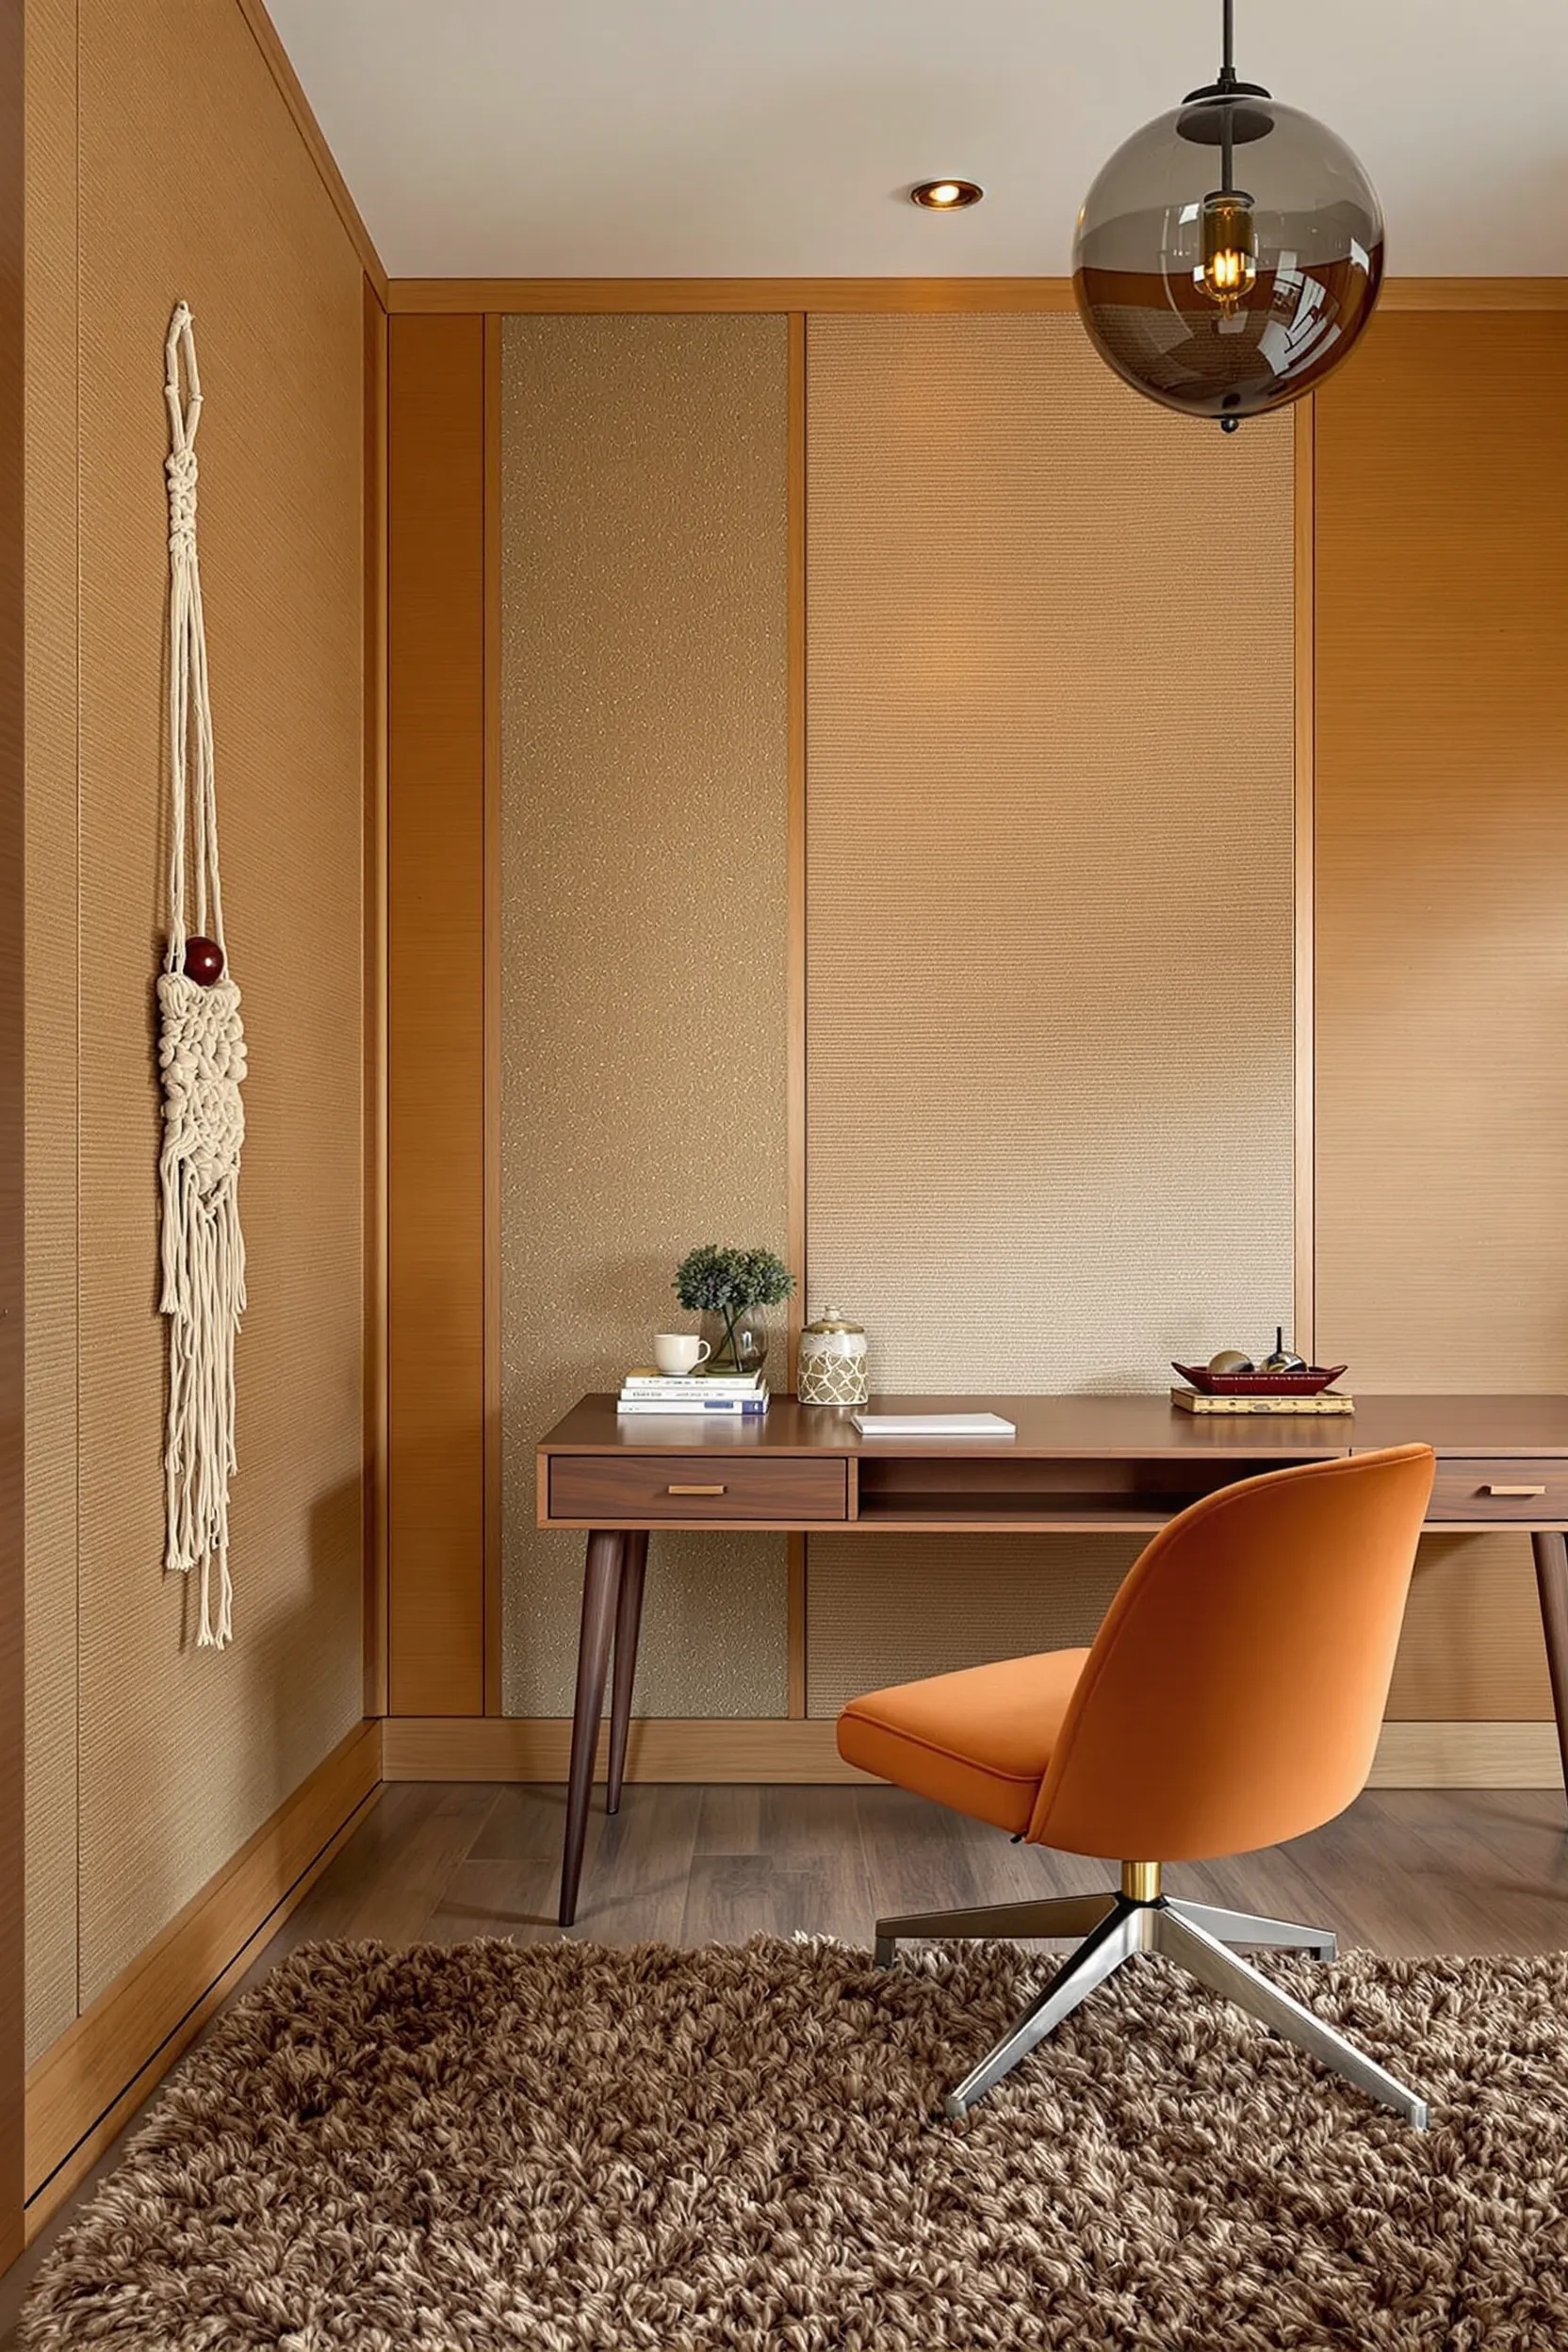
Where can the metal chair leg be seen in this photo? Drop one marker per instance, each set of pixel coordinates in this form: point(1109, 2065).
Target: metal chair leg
point(1180, 1938)
point(1240, 1927)
point(1054, 1915)
point(1119, 1934)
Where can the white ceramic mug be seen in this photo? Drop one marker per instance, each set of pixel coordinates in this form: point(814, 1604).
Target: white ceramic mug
point(678, 1352)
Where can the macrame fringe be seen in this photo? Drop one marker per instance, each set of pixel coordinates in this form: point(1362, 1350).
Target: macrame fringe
point(201, 1064)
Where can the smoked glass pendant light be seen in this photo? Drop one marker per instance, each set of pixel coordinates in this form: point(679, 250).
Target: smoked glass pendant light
point(1230, 253)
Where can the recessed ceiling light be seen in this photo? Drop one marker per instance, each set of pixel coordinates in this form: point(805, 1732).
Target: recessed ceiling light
point(945, 195)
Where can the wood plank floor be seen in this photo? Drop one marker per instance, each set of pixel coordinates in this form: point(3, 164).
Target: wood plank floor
point(1404, 1871)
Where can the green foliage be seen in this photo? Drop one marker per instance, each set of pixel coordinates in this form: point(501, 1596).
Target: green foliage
point(728, 1281)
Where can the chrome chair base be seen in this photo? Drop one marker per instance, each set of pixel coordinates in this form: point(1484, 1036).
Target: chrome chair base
point(1113, 1928)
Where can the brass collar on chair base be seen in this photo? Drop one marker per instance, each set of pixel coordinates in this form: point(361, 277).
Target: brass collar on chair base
point(1140, 1882)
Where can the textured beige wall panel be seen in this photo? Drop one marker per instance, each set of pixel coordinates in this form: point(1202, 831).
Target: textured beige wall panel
point(195, 183)
point(644, 796)
point(51, 1018)
point(1050, 888)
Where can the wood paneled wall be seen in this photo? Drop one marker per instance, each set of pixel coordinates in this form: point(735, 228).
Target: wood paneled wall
point(1395, 482)
point(1442, 1082)
point(163, 1760)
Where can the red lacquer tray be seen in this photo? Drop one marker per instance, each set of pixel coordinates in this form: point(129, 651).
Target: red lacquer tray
point(1311, 1383)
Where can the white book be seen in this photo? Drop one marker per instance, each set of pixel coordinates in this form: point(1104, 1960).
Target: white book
point(933, 1425)
point(680, 1408)
point(690, 1384)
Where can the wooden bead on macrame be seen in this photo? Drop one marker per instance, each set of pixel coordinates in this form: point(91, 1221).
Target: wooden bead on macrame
point(203, 960)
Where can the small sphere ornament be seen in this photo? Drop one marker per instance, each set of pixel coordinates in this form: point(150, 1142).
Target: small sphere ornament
point(1229, 255)
point(831, 1367)
point(203, 960)
point(1280, 1357)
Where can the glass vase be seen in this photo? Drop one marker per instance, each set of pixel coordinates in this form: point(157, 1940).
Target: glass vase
point(740, 1344)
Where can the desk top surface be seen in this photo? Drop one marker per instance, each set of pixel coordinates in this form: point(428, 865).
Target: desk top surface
point(1083, 1426)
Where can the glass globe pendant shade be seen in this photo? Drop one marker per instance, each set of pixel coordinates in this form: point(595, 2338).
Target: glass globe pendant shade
point(1228, 256)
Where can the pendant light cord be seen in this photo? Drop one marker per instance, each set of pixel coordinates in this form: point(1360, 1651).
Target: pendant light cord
point(1227, 81)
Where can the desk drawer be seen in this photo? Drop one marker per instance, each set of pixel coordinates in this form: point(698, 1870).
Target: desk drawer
point(1485, 1487)
point(646, 1487)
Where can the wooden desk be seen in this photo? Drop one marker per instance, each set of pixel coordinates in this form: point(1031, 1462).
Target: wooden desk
point(1110, 1465)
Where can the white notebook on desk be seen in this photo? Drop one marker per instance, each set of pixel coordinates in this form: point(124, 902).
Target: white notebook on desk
point(933, 1425)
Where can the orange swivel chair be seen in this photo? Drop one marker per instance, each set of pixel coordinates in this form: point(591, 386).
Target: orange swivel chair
point(1231, 1699)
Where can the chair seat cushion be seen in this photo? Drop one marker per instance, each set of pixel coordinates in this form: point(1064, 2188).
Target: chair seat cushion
point(979, 1741)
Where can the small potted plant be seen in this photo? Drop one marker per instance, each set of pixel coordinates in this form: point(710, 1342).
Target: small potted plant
point(732, 1285)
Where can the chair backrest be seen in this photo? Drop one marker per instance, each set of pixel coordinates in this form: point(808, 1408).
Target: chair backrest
point(1235, 1693)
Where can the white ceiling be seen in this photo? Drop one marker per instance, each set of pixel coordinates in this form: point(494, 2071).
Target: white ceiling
point(776, 137)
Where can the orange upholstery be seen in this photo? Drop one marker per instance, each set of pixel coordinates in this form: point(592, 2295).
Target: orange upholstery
point(977, 1741)
point(1231, 1699)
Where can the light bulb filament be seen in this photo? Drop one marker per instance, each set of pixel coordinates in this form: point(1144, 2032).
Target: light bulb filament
point(1229, 269)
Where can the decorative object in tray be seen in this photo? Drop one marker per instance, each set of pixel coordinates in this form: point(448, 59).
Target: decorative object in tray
point(1231, 1383)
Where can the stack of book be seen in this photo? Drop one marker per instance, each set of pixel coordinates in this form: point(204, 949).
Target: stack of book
point(739, 1394)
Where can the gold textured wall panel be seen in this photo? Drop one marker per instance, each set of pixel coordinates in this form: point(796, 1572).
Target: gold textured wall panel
point(51, 1018)
point(1050, 811)
point(1442, 957)
point(643, 896)
point(194, 183)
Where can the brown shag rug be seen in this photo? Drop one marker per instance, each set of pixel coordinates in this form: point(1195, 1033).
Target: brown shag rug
point(574, 2148)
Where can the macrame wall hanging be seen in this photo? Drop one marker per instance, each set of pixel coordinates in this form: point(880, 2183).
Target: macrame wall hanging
point(201, 1059)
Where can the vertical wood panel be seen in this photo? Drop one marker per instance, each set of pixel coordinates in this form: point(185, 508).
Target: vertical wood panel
point(1304, 844)
point(800, 1308)
point(52, 1015)
point(494, 1675)
point(375, 1002)
point(13, 1599)
point(435, 1013)
point(1442, 952)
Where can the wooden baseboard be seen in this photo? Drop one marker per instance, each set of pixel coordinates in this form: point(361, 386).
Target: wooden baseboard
point(512, 1747)
point(1468, 1756)
point(88, 2083)
point(471, 1747)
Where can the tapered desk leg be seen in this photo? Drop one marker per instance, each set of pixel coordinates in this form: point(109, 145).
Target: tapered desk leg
point(601, 1586)
point(1551, 1581)
point(628, 1619)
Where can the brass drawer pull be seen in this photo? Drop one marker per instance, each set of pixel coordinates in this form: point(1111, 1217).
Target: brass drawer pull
point(694, 1490)
point(1514, 1490)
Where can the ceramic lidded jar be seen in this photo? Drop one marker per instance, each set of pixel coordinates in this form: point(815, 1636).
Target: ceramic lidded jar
point(831, 1366)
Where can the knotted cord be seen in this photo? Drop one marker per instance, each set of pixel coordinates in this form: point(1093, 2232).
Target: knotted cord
point(202, 1063)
